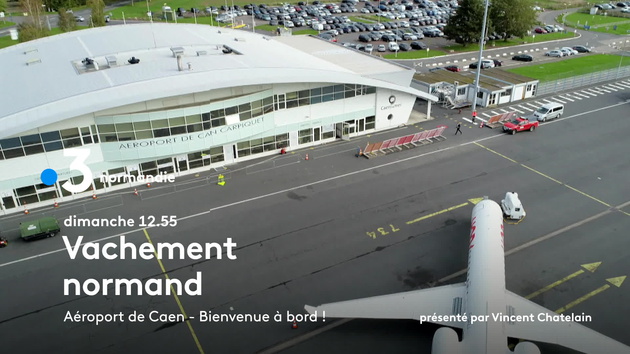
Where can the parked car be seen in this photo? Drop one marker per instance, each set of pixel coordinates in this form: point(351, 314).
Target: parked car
point(79, 18)
point(568, 50)
point(418, 45)
point(485, 64)
point(554, 53)
point(381, 48)
point(582, 49)
point(453, 68)
point(404, 47)
point(540, 30)
point(523, 57)
point(519, 125)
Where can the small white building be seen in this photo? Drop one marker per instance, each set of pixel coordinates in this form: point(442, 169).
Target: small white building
point(497, 86)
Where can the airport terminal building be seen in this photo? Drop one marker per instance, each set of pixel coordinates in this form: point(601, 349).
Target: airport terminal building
point(150, 99)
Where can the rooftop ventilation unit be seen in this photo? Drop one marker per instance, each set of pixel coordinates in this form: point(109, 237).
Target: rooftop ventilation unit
point(177, 51)
point(90, 64)
point(111, 60)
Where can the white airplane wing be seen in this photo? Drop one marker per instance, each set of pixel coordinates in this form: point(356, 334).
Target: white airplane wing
point(567, 334)
point(444, 300)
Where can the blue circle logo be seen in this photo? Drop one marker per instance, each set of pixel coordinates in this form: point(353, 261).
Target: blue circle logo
point(49, 176)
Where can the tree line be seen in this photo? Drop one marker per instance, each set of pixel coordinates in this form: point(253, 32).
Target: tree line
point(507, 18)
point(35, 26)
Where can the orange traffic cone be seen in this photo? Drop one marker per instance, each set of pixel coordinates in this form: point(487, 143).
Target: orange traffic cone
point(294, 325)
point(135, 191)
point(56, 205)
point(481, 125)
point(94, 196)
point(306, 158)
point(148, 185)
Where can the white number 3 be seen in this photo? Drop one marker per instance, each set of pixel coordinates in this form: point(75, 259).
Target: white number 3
point(79, 165)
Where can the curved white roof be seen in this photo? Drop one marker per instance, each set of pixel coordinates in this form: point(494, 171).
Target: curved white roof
point(47, 81)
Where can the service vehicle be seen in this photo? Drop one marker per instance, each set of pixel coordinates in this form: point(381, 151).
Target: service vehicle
point(519, 125)
point(549, 111)
point(512, 207)
point(40, 228)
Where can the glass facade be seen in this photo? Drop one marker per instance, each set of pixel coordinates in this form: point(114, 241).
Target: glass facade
point(207, 120)
point(75, 137)
point(47, 141)
point(257, 146)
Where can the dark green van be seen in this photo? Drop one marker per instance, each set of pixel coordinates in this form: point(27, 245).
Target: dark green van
point(40, 228)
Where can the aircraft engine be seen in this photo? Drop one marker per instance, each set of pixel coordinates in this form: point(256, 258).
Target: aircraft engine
point(446, 341)
point(526, 348)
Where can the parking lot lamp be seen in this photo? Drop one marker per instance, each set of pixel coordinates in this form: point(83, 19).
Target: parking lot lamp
point(481, 40)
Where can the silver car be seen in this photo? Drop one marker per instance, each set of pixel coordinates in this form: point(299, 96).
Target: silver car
point(554, 53)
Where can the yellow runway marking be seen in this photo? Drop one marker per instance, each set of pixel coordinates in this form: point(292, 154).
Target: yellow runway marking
point(591, 267)
point(552, 179)
point(540, 173)
point(614, 281)
point(179, 303)
point(583, 298)
point(436, 213)
point(494, 152)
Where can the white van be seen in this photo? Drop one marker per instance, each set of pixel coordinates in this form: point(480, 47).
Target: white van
point(393, 46)
point(549, 111)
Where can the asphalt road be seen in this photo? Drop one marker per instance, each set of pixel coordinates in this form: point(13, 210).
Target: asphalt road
point(308, 233)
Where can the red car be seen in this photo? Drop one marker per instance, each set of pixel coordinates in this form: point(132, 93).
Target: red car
point(519, 125)
point(540, 30)
point(453, 68)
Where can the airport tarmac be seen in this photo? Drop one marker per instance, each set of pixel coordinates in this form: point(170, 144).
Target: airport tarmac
point(337, 227)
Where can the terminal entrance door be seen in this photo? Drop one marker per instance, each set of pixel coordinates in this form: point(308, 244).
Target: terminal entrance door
point(182, 163)
point(230, 153)
point(343, 130)
point(317, 133)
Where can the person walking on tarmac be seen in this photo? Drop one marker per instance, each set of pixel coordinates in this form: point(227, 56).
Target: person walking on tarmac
point(459, 125)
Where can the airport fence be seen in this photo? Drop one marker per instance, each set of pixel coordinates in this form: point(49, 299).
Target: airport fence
point(574, 82)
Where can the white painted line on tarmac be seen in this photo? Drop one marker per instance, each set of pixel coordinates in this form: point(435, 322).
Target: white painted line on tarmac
point(565, 97)
point(577, 94)
point(532, 105)
point(486, 114)
point(515, 109)
point(573, 96)
point(612, 86)
point(556, 99)
point(617, 86)
point(503, 110)
point(588, 114)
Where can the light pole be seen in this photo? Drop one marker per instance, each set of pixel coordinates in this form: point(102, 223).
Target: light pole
point(149, 12)
point(483, 33)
